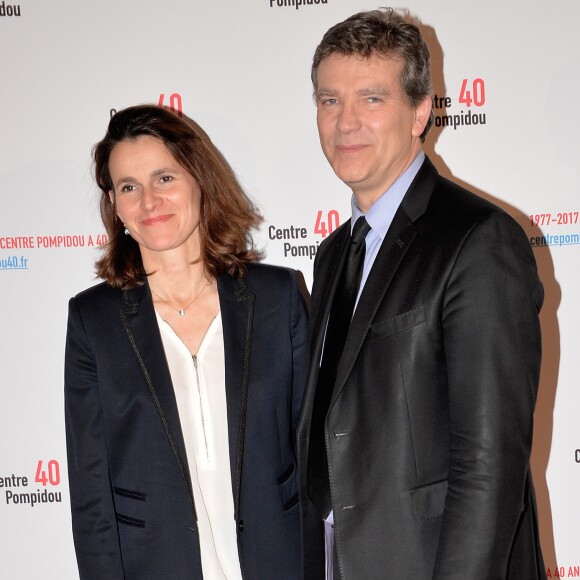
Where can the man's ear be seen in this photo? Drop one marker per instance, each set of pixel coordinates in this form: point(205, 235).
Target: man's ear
point(422, 114)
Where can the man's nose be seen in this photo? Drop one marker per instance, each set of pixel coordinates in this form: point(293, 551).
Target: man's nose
point(348, 118)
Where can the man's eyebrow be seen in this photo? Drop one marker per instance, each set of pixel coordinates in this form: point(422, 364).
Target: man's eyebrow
point(325, 93)
point(363, 92)
point(372, 91)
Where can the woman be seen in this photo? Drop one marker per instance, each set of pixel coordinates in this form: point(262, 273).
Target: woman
point(184, 371)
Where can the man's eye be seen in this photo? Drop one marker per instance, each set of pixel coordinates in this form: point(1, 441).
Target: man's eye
point(166, 178)
point(373, 100)
point(127, 188)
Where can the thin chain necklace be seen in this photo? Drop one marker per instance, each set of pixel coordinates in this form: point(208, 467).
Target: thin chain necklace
point(181, 311)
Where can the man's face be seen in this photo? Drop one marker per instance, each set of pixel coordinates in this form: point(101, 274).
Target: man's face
point(368, 131)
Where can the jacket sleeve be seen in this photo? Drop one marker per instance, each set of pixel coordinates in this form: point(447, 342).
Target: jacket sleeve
point(493, 350)
point(93, 514)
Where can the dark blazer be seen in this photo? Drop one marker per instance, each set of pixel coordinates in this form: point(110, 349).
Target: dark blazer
point(132, 505)
point(430, 425)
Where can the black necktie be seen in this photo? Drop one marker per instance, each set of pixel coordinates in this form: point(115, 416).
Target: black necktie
point(336, 333)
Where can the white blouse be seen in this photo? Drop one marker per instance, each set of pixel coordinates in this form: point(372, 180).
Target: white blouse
point(199, 385)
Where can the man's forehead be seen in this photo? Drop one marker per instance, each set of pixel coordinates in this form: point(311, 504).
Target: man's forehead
point(380, 62)
point(360, 73)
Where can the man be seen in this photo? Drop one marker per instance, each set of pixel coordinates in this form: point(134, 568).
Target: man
point(416, 428)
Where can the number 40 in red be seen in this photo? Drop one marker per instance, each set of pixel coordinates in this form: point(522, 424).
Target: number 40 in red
point(326, 226)
point(474, 94)
point(174, 103)
point(49, 475)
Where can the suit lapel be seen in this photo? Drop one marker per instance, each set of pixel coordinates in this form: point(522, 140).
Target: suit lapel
point(237, 309)
point(391, 253)
point(139, 321)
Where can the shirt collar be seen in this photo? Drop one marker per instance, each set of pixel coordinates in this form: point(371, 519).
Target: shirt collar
point(381, 213)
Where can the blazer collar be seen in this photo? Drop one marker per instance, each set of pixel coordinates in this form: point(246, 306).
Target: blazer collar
point(237, 310)
point(140, 323)
point(237, 307)
point(419, 193)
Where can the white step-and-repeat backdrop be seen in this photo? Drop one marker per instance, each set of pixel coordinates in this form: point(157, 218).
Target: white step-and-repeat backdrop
point(506, 84)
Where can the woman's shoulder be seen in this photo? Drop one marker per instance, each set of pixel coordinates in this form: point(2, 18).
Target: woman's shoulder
point(276, 284)
point(266, 275)
point(96, 296)
point(262, 280)
point(98, 290)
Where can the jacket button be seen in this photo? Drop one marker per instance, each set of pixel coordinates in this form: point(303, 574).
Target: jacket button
point(241, 526)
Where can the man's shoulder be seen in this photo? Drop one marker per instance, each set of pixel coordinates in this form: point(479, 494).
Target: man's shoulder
point(447, 192)
point(449, 200)
point(461, 203)
point(454, 212)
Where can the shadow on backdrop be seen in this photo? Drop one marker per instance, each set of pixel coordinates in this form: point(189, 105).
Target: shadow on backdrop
point(544, 414)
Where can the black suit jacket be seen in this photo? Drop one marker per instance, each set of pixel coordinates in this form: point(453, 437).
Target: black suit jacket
point(430, 425)
point(132, 505)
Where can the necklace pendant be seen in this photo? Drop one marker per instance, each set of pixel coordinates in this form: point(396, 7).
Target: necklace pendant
point(181, 312)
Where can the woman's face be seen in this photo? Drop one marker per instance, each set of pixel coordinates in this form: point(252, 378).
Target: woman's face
point(155, 197)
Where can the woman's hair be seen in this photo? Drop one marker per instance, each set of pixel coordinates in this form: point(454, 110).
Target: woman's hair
point(226, 214)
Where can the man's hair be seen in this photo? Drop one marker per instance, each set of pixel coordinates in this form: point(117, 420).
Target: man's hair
point(384, 33)
point(226, 214)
